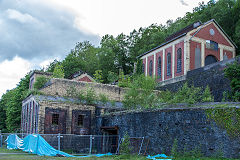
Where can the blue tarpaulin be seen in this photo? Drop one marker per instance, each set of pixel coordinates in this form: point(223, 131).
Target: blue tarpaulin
point(34, 143)
point(158, 157)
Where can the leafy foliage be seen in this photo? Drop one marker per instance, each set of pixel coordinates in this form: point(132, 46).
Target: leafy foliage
point(140, 93)
point(11, 104)
point(58, 71)
point(40, 82)
point(232, 72)
point(98, 76)
point(227, 117)
point(125, 147)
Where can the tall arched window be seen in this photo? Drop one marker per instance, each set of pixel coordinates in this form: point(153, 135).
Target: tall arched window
point(179, 60)
point(143, 68)
point(159, 69)
point(150, 68)
point(168, 64)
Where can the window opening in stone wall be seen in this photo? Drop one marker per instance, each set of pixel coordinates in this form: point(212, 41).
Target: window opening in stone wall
point(55, 119)
point(80, 120)
point(179, 60)
point(150, 68)
point(31, 83)
point(211, 45)
point(168, 64)
point(159, 70)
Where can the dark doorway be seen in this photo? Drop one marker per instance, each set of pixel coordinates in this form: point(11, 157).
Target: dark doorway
point(210, 59)
point(110, 139)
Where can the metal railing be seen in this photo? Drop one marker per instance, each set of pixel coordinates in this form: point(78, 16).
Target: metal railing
point(85, 144)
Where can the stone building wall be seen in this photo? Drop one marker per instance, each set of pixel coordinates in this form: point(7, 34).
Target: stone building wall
point(66, 106)
point(60, 87)
point(190, 126)
point(211, 75)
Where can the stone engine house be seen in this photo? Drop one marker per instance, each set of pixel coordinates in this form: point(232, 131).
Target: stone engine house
point(193, 47)
point(55, 111)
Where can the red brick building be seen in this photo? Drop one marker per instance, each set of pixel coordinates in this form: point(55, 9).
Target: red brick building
point(195, 46)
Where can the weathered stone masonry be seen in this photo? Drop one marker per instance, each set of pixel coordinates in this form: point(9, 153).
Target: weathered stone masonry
point(190, 126)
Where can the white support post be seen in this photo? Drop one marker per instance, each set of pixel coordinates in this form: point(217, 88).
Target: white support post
point(154, 64)
point(146, 67)
point(163, 68)
point(59, 136)
point(173, 60)
point(203, 54)
point(185, 57)
point(221, 53)
point(90, 145)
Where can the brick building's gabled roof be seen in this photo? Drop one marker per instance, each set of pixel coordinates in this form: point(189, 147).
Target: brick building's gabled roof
point(184, 31)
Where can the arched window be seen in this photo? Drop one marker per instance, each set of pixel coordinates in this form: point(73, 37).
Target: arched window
point(159, 69)
point(143, 68)
point(168, 64)
point(150, 68)
point(179, 60)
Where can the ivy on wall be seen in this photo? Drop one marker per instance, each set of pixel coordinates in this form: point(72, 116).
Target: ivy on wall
point(227, 117)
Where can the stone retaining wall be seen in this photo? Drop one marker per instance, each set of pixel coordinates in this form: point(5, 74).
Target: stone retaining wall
point(190, 127)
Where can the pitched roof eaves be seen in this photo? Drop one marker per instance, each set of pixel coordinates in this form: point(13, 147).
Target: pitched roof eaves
point(163, 44)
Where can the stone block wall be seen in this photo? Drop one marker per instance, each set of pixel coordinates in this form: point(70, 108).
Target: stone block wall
point(63, 106)
point(211, 75)
point(190, 126)
point(59, 87)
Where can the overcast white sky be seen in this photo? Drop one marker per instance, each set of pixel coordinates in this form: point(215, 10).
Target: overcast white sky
point(35, 32)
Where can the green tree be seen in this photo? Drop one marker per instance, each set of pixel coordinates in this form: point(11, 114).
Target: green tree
point(58, 71)
point(232, 72)
point(40, 82)
point(98, 76)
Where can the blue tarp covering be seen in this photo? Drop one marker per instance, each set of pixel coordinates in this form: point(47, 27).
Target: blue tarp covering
point(34, 143)
point(158, 157)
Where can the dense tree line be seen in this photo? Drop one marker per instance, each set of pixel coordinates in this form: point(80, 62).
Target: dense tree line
point(120, 52)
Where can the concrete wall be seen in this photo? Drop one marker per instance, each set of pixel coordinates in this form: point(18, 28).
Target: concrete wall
point(211, 75)
point(59, 87)
point(189, 126)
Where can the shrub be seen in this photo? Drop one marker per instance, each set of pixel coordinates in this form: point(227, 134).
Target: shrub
point(98, 76)
point(90, 96)
point(232, 72)
point(140, 93)
point(40, 82)
point(125, 146)
point(58, 71)
point(103, 98)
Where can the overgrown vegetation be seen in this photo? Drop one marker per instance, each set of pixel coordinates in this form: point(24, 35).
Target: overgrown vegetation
point(232, 72)
point(58, 71)
point(142, 94)
point(125, 146)
point(88, 96)
point(227, 117)
point(40, 82)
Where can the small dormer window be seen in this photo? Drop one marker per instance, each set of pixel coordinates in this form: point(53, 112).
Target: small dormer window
point(211, 45)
